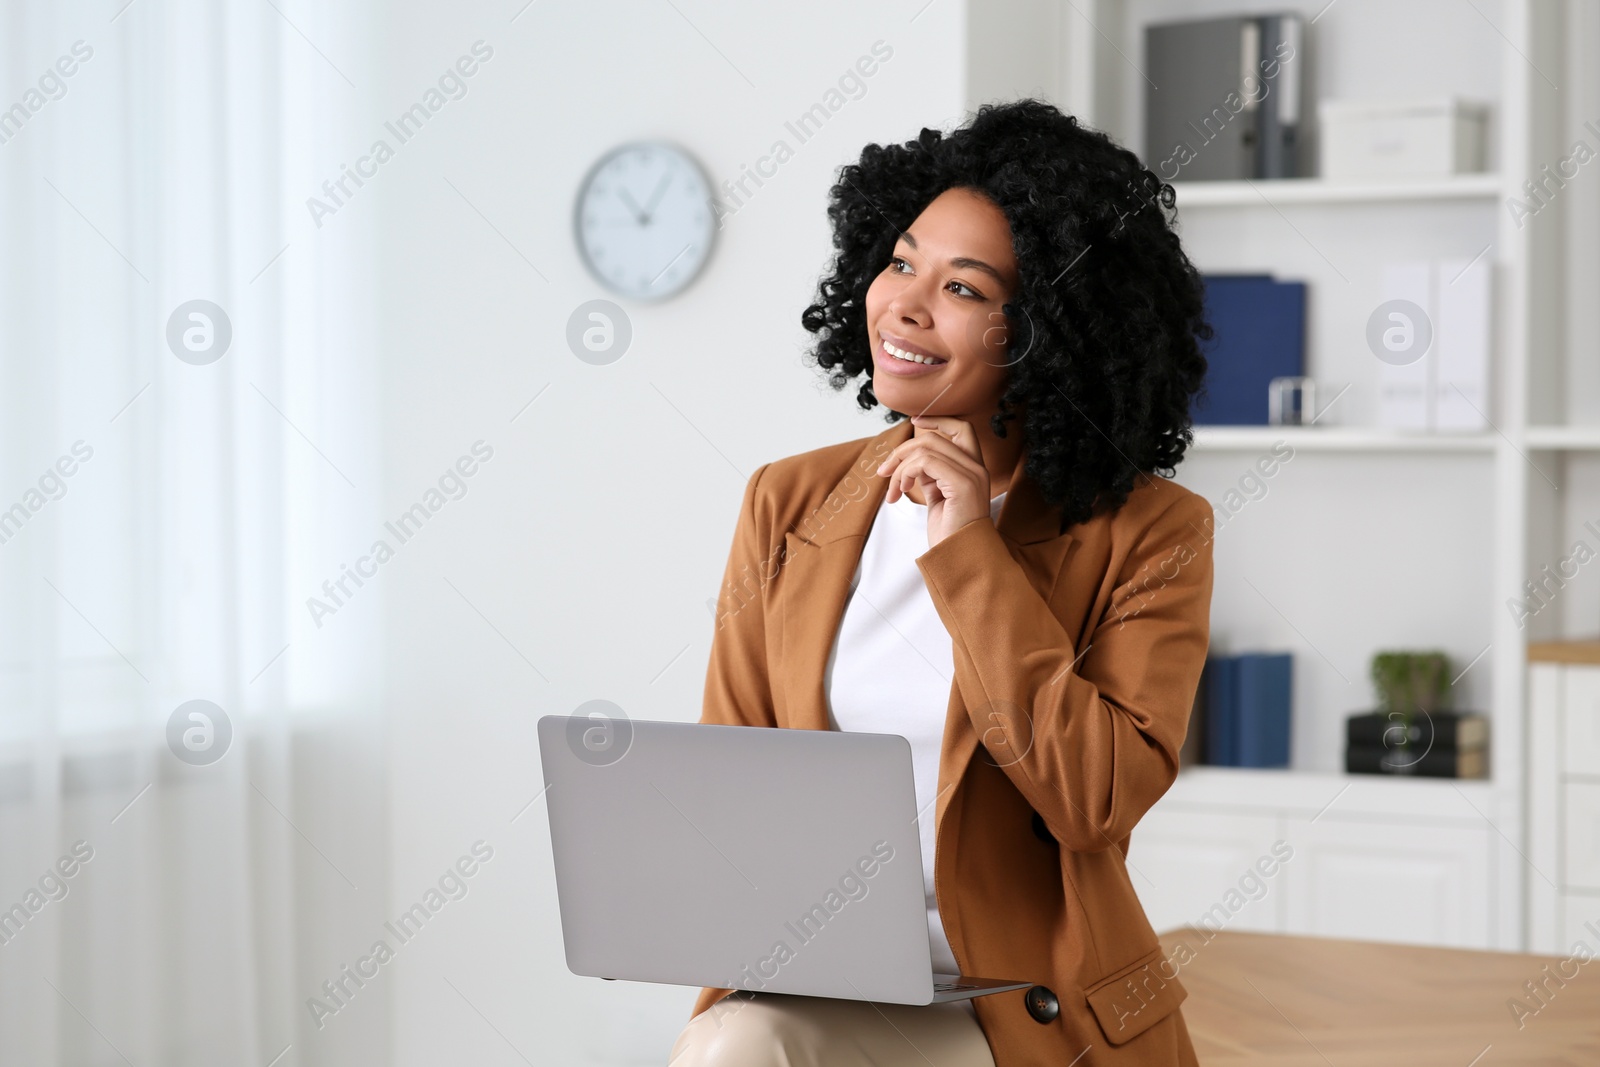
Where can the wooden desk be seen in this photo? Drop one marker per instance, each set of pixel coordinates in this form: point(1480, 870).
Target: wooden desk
point(1318, 1001)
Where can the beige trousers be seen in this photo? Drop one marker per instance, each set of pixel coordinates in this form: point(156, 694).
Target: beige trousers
point(786, 1030)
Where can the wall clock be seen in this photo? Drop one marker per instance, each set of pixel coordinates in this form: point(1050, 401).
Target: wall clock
point(643, 220)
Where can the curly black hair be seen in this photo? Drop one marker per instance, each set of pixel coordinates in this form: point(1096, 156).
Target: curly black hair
point(1108, 313)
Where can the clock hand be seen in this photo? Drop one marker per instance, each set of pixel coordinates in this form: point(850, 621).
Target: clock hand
point(639, 216)
point(655, 198)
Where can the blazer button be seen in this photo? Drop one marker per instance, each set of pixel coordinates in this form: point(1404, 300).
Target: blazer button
point(1041, 831)
point(1042, 1003)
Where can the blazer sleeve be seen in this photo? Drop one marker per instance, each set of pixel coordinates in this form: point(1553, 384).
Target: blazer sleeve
point(1090, 742)
point(738, 689)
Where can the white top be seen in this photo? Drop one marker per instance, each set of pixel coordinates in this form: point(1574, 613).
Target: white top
point(892, 667)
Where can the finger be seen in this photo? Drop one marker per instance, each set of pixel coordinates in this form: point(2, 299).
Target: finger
point(901, 480)
point(955, 464)
point(943, 445)
point(953, 429)
point(938, 468)
point(947, 428)
point(933, 445)
point(897, 453)
point(928, 442)
point(889, 469)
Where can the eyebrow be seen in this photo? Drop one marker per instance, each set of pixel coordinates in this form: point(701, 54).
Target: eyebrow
point(959, 261)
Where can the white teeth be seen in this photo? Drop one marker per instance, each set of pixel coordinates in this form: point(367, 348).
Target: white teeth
point(909, 356)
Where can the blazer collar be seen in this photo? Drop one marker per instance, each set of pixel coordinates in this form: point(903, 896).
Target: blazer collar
point(1025, 518)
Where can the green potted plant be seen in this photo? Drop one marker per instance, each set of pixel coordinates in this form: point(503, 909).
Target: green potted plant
point(1408, 683)
point(1430, 673)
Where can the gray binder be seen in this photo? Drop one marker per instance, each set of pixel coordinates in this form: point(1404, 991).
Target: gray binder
point(1227, 100)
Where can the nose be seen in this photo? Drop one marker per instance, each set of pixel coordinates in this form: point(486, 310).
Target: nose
point(910, 301)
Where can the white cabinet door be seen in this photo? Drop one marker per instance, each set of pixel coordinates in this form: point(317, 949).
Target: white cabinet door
point(1580, 921)
point(1580, 714)
point(1541, 872)
point(1389, 881)
point(1581, 865)
point(1201, 869)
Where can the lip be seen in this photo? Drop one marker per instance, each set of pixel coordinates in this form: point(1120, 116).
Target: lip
point(902, 367)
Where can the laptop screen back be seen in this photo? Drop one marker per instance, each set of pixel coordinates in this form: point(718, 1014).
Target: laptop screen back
point(743, 857)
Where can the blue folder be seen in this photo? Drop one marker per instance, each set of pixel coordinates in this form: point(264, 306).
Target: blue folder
point(1264, 690)
point(1222, 674)
point(1260, 330)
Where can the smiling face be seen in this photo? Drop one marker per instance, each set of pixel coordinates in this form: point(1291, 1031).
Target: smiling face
point(939, 298)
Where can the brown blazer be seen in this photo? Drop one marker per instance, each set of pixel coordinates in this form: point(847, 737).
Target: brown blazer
point(1053, 746)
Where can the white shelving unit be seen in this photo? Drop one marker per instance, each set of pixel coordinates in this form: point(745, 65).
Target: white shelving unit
point(1310, 792)
point(1317, 191)
point(1370, 538)
point(1564, 438)
point(1335, 439)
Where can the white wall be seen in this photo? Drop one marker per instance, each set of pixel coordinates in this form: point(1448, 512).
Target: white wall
point(594, 538)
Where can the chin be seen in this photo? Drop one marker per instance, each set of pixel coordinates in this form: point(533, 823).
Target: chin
point(892, 394)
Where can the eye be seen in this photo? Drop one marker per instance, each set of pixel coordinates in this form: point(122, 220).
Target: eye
point(971, 294)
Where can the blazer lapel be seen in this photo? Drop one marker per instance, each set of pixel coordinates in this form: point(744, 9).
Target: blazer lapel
point(822, 558)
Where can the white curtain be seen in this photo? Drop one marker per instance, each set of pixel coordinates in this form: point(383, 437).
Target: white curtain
point(163, 521)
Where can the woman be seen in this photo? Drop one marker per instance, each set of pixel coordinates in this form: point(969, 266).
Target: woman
point(1030, 609)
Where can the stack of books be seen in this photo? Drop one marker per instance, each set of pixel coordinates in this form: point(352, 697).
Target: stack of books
point(1242, 712)
point(1444, 744)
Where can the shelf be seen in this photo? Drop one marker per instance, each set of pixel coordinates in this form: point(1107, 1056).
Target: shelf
point(1352, 795)
point(1336, 439)
point(1576, 438)
point(1585, 651)
point(1272, 191)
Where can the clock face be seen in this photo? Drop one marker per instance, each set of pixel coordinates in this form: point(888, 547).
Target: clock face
point(644, 220)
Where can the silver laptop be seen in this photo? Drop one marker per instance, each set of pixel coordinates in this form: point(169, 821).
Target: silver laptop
point(775, 860)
